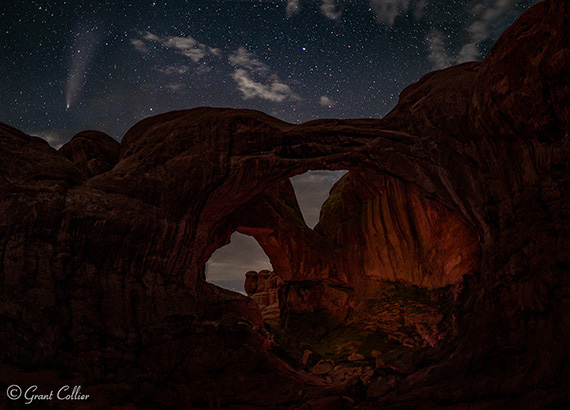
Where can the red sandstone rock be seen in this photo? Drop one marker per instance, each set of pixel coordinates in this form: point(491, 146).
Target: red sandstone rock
point(109, 271)
point(389, 230)
point(373, 230)
point(323, 367)
point(263, 287)
point(522, 92)
point(331, 403)
point(93, 152)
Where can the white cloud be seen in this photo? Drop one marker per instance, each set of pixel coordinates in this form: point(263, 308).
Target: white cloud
point(195, 54)
point(244, 59)
point(174, 69)
point(480, 30)
point(328, 8)
point(272, 90)
point(187, 46)
point(174, 86)
point(139, 45)
point(293, 7)
point(151, 37)
point(387, 10)
point(180, 43)
point(326, 101)
point(53, 138)
point(215, 51)
point(438, 54)
point(265, 85)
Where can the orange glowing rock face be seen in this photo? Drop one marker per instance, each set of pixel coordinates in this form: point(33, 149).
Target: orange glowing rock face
point(386, 229)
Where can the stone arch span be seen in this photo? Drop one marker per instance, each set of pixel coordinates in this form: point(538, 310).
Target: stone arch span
point(238, 168)
point(371, 226)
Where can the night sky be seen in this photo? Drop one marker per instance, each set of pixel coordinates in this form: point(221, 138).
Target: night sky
point(116, 62)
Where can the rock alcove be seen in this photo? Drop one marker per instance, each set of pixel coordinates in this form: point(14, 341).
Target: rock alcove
point(375, 281)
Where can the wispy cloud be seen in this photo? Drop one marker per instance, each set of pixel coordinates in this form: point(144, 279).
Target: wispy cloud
point(187, 46)
point(481, 29)
point(174, 86)
point(265, 85)
point(254, 78)
point(329, 10)
point(438, 54)
point(179, 43)
point(386, 11)
point(174, 69)
point(272, 90)
point(326, 101)
point(53, 138)
point(293, 7)
point(245, 59)
point(139, 45)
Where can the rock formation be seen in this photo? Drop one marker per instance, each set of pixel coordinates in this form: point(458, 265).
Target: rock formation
point(93, 152)
point(104, 270)
point(263, 287)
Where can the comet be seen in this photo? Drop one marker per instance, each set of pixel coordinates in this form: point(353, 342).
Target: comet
point(87, 39)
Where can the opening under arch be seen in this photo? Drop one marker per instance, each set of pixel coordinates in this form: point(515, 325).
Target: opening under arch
point(228, 265)
point(312, 189)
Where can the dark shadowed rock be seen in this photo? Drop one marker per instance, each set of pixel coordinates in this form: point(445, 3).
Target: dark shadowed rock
point(93, 152)
point(355, 389)
point(522, 92)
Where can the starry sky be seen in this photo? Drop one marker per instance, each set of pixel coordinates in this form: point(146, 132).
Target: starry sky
point(67, 66)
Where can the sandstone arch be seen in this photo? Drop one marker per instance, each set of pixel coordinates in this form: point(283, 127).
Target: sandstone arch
point(104, 267)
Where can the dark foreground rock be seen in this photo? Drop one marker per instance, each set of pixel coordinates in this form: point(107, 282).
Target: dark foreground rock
point(93, 152)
